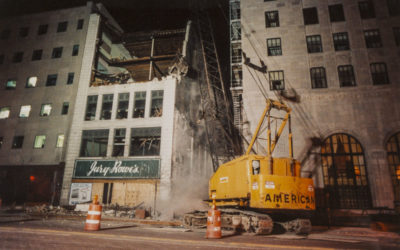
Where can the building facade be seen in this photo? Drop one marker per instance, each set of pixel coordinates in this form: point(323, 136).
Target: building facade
point(335, 63)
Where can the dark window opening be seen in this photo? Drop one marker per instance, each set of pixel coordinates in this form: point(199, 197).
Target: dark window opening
point(372, 39)
point(79, 26)
point(18, 56)
point(276, 80)
point(310, 16)
point(62, 26)
point(396, 34)
point(94, 143)
point(318, 78)
point(5, 34)
point(70, 79)
point(18, 141)
point(23, 32)
point(2, 59)
point(75, 50)
point(274, 47)
point(107, 193)
point(145, 141)
point(51, 80)
point(336, 13)
point(394, 7)
point(43, 29)
point(367, 9)
point(346, 76)
point(57, 52)
point(37, 55)
point(314, 44)
point(379, 73)
point(139, 105)
point(65, 107)
point(91, 108)
point(341, 41)
point(119, 142)
point(106, 107)
point(271, 19)
point(123, 104)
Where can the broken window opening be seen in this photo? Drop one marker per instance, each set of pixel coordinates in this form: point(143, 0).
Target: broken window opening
point(123, 104)
point(119, 142)
point(145, 141)
point(156, 103)
point(91, 108)
point(106, 107)
point(139, 104)
point(94, 143)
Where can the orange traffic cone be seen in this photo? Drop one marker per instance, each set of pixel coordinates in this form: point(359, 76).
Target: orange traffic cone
point(94, 215)
point(213, 223)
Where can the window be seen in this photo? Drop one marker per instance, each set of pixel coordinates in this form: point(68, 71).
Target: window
point(236, 76)
point(341, 41)
point(367, 9)
point(37, 55)
point(156, 103)
point(62, 26)
point(393, 157)
point(106, 107)
point(396, 34)
point(4, 112)
point(394, 7)
point(236, 52)
point(379, 73)
point(372, 39)
point(75, 50)
point(139, 104)
point(123, 104)
point(94, 143)
point(65, 108)
point(314, 44)
point(18, 56)
point(51, 80)
point(11, 84)
point(5, 34)
point(1, 59)
point(310, 16)
point(45, 110)
point(70, 79)
point(318, 77)
point(276, 80)
point(57, 52)
point(1, 142)
point(60, 141)
point(346, 76)
point(31, 82)
point(271, 19)
point(43, 29)
point(274, 47)
point(39, 141)
point(79, 26)
point(91, 108)
point(345, 172)
point(236, 31)
point(18, 141)
point(336, 13)
point(145, 141)
point(25, 111)
point(23, 32)
point(119, 142)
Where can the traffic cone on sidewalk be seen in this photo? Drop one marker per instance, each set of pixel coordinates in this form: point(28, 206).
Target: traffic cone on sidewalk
point(94, 216)
point(213, 223)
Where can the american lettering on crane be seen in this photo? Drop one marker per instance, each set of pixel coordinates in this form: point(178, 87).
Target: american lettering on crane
point(289, 198)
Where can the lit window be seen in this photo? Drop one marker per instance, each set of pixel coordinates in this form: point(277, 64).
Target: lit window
point(4, 112)
point(314, 44)
point(310, 16)
point(94, 143)
point(25, 111)
point(70, 79)
point(276, 80)
point(37, 55)
point(156, 103)
point(62, 26)
point(80, 24)
point(372, 39)
point(318, 77)
point(145, 141)
point(139, 104)
point(106, 107)
point(271, 19)
point(366, 9)
point(123, 104)
point(39, 141)
point(60, 141)
point(11, 84)
point(336, 13)
point(51, 80)
point(43, 29)
point(65, 108)
point(57, 52)
point(17, 57)
point(91, 108)
point(18, 141)
point(274, 47)
point(119, 142)
point(45, 110)
point(31, 82)
point(341, 41)
point(346, 76)
point(379, 73)
point(75, 50)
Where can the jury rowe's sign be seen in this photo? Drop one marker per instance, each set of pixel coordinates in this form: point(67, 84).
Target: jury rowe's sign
point(134, 169)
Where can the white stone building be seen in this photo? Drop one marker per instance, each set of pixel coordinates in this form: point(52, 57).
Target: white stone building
point(338, 62)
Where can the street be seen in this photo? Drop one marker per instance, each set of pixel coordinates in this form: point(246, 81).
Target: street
point(27, 232)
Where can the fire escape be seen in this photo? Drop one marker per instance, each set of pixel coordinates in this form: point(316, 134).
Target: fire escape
point(219, 123)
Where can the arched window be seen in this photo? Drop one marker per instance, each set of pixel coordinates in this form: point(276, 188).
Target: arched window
point(345, 175)
point(393, 153)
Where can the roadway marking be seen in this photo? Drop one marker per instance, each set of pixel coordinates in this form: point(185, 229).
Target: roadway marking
point(152, 239)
